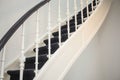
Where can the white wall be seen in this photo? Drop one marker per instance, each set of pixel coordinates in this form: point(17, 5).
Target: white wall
point(12, 10)
point(100, 60)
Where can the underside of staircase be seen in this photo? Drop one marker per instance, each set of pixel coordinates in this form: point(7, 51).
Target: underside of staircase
point(29, 68)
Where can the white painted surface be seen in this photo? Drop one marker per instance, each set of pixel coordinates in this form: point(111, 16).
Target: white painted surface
point(11, 11)
point(101, 59)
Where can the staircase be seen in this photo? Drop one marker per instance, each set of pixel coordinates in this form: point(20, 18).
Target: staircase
point(29, 69)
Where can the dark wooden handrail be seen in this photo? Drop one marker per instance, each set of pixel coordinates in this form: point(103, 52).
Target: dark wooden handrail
point(15, 27)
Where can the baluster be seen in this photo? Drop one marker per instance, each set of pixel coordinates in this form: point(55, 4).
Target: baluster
point(22, 58)
point(96, 2)
point(92, 5)
point(87, 8)
point(49, 30)
point(68, 18)
point(37, 43)
point(59, 20)
point(75, 12)
point(2, 64)
point(81, 6)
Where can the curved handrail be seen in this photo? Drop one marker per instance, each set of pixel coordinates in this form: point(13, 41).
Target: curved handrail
point(14, 28)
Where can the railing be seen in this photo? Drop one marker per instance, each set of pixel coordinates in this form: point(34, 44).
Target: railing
point(11, 31)
point(20, 23)
point(60, 64)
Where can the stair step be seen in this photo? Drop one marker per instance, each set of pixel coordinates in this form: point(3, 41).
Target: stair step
point(65, 26)
point(41, 58)
point(64, 31)
point(28, 74)
point(56, 39)
point(85, 11)
point(30, 62)
point(89, 8)
point(94, 2)
point(32, 65)
point(72, 21)
point(44, 49)
point(79, 15)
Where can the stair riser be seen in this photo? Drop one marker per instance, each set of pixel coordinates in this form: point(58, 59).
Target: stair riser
point(32, 65)
point(56, 39)
point(72, 29)
point(27, 75)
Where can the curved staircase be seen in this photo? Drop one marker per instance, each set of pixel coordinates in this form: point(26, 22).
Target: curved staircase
point(43, 51)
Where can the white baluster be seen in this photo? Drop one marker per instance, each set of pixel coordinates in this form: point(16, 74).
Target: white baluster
point(59, 20)
point(96, 2)
point(75, 12)
point(81, 6)
point(22, 58)
point(87, 8)
point(68, 18)
point(92, 5)
point(2, 64)
point(37, 43)
point(49, 30)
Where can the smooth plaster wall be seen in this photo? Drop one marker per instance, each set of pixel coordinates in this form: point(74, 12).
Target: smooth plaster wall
point(11, 11)
point(101, 59)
